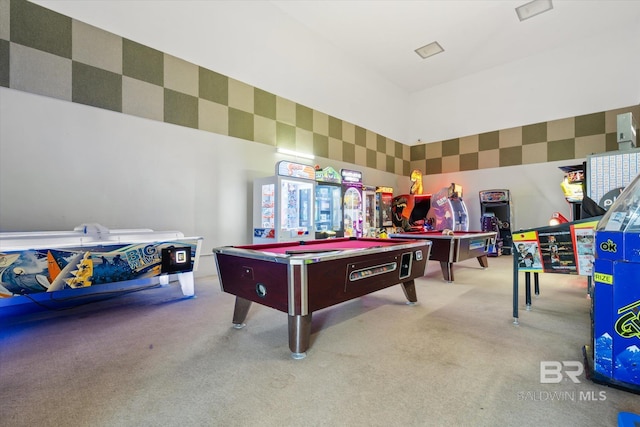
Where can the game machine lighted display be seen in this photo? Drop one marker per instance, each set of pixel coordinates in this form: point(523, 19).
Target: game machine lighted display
point(496, 213)
point(92, 259)
point(283, 204)
point(328, 215)
point(384, 201)
point(448, 211)
point(370, 211)
point(352, 202)
point(614, 356)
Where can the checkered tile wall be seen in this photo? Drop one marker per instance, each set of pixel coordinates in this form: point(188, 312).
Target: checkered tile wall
point(50, 54)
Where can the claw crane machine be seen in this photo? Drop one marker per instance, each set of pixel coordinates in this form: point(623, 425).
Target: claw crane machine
point(328, 204)
point(353, 202)
point(283, 204)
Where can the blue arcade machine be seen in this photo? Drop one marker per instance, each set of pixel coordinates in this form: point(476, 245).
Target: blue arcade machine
point(614, 358)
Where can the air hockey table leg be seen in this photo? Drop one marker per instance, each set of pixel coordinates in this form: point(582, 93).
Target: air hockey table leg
point(186, 283)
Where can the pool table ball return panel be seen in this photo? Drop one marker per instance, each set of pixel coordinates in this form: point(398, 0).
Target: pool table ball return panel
point(299, 278)
point(450, 247)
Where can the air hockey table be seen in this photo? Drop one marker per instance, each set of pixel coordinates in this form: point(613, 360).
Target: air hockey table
point(299, 278)
point(91, 255)
point(454, 246)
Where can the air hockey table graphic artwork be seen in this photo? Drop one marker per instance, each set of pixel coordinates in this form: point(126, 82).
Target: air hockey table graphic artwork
point(92, 255)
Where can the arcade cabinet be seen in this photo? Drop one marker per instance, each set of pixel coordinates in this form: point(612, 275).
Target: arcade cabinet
point(448, 211)
point(409, 212)
point(572, 187)
point(496, 212)
point(614, 357)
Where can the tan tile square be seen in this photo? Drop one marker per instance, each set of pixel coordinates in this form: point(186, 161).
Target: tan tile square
point(264, 130)
point(180, 75)
point(418, 164)
point(304, 141)
point(213, 117)
point(335, 149)
point(372, 140)
point(391, 147)
point(320, 123)
point(534, 153)
point(469, 144)
point(489, 159)
point(285, 111)
point(361, 156)
point(406, 152)
point(241, 96)
point(348, 132)
point(510, 137)
point(96, 47)
point(142, 99)
point(39, 72)
point(399, 166)
point(593, 144)
point(4, 20)
point(451, 163)
point(561, 129)
point(434, 150)
point(381, 161)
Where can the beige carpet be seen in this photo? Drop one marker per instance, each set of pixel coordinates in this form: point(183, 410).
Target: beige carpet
point(153, 358)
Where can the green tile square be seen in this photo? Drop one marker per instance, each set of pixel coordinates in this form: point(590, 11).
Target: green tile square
point(468, 161)
point(612, 141)
point(433, 166)
point(418, 152)
point(532, 134)
point(285, 136)
point(241, 125)
point(335, 128)
point(391, 164)
point(406, 167)
point(4, 63)
point(372, 156)
point(590, 124)
point(381, 144)
point(264, 103)
point(304, 117)
point(361, 136)
point(40, 28)
point(451, 147)
point(181, 109)
point(563, 149)
point(142, 62)
point(96, 87)
point(489, 141)
point(214, 87)
point(399, 150)
point(510, 156)
point(348, 152)
point(321, 145)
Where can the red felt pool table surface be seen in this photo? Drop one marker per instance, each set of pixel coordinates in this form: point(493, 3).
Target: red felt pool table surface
point(326, 245)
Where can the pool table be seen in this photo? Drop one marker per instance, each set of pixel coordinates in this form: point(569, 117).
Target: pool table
point(299, 278)
point(456, 247)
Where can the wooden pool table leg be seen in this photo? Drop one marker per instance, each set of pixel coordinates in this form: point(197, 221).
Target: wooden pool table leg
point(484, 262)
point(240, 312)
point(409, 289)
point(299, 333)
point(447, 270)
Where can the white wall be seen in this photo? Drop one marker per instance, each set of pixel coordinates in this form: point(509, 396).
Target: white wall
point(63, 164)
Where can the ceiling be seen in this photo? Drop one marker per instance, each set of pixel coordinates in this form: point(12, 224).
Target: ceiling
point(475, 35)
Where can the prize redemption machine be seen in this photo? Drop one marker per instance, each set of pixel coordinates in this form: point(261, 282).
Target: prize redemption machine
point(496, 213)
point(352, 202)
point(614, 357)
point(283, 204)
point(328, 216)
point(370, 211)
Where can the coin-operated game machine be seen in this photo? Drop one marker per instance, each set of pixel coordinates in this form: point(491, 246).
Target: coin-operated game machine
point(496, 211)
point(572, 187)
point(328, 203)
point(384, 200)
point(614, 354)
point(448, 211)
point(353, 203)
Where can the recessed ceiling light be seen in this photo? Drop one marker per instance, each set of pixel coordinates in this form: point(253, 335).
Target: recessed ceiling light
point(533, 8)
point(429, 50)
